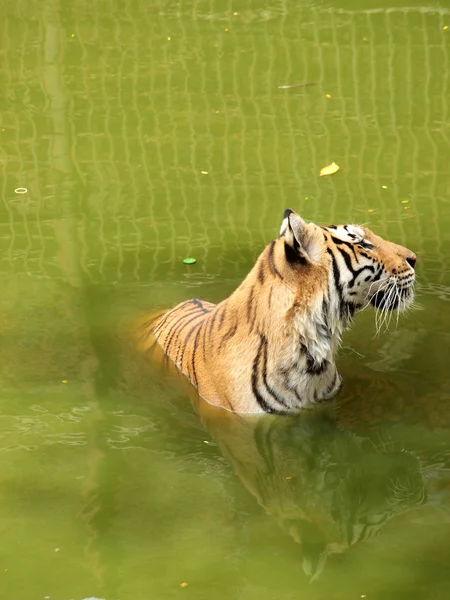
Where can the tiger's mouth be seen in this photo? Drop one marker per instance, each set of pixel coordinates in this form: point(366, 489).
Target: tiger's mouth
point(393, 298)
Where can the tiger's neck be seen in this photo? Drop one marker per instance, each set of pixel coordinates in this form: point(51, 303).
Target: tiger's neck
point(289, 328)
point(294, 345)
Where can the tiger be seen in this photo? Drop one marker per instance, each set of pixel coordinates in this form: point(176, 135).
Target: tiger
point(270, 346)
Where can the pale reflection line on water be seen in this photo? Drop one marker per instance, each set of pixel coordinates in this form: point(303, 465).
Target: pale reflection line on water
point(404, 9)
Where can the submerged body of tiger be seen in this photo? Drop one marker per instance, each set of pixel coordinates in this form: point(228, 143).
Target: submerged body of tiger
point(270, 347)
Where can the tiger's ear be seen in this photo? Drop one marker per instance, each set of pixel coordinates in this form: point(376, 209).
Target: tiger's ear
point(302, 239)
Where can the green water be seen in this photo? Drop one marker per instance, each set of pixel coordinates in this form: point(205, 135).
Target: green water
point(147, 132)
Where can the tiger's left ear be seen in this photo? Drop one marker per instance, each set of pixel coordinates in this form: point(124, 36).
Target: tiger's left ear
point(303, 240)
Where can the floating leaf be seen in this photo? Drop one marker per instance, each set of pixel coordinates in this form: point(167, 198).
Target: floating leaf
point(189, 261)
point(329, 169)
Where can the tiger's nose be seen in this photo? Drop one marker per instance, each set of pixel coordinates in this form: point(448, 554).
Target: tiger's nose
point(411, 260)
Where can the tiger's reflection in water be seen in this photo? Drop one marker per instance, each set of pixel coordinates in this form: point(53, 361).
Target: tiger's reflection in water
point(328, 488)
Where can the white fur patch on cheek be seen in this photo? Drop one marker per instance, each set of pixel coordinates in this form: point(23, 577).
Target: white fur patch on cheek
point(348, 233)
point(354, 230)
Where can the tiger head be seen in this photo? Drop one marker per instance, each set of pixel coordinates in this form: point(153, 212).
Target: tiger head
point(357, 266)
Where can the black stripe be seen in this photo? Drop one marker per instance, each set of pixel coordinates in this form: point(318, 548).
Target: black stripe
point(250, 304)
point(254, 379)
point(269, 388)
point(172, 323)
point(168, 317)
point(348, 262)
point(168, 314)
point(205, 329)
point(312, 366)
point(261, 275)
point(229, 334)
point(199, 303)
point(186, 339)
point(194, 372)
point(271, 260)
point(337, 280)
point(324, 328)
point(253, 321)
point(378, 274)
point(338, 242)
point(178, 329)
point(252, 308)
point(293, 255)
point(222, 317)
point(211, 326)
point(151, 330)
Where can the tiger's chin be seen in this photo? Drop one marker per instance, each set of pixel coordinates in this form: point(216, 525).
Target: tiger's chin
point(399, 299)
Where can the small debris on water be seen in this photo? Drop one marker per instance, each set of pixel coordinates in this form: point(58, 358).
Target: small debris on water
point(189, 261)
point(371, 210)
point(445, 27)
point(384, 187)
point(289, 477)
point(328, 96)
point(205, 442)
point(57, 549)
point(329, 169)
point(405, 201)
point(204, 172)
point(64, 381)
point(184, 584)
point(21, 190)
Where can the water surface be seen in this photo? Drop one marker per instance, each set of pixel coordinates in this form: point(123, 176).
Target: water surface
point(148, 132)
